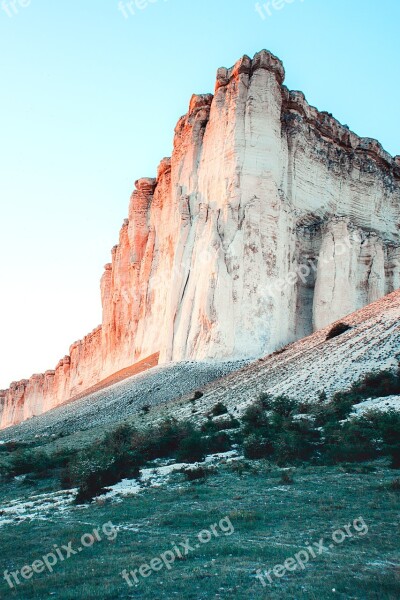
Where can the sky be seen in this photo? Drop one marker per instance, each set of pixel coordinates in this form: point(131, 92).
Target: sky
point(90, 95)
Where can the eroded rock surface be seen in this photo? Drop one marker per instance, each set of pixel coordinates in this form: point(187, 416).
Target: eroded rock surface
point(269, 221)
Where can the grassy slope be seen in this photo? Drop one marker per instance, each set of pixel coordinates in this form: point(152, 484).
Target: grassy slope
point(272, 522)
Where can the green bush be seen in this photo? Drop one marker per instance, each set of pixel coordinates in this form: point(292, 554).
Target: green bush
point(196, 473)
point(120, 440)
point(255, 420)
point(271, 429)
point(388, 425)
point(123, 451)
point(164, 440)
point(34, 462)
point(266, 400)
point(99, 466)
point(212, 426)
point(284, 406)
point(28, 461)
point(287, 477)
point(360, 438)
point(394, 486)
point(218, 442)
point(337, 409)
point(256, 446)
point(296, 441)
point(13, 445)
point(353, 441)
point(192, 448)
point(377, 385)
point(219, 409)
point(103, 464)
point(372, 385)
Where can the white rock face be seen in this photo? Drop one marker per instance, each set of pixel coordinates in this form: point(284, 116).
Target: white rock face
point(270, 185)
point(350, 274)
point(302, 371)
point(269, 221)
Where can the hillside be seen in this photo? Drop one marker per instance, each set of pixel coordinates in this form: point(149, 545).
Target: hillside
point(303, 370)
point(246, 520)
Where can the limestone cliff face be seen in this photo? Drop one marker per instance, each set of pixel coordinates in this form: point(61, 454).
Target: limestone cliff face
point(269, 221)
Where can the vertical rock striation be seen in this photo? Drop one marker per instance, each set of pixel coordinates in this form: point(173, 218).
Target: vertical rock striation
point(269, 221)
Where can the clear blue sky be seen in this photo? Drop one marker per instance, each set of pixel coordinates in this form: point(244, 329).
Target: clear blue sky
point(88, 103)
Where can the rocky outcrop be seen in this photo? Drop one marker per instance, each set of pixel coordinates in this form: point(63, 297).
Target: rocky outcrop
point(269, 221)
point(312, 366)
point(304, 370)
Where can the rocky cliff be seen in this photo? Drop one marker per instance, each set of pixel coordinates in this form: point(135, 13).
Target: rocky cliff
point(269, 221)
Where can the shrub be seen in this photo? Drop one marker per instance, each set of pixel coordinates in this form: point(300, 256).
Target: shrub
point(295, 441)
point(255, 447)
point(241, 466)
point(336, 410)
point(287, 477)
point(377, 385)
point(255, 420)
point(196, 473)
point(104, 463)
point(219, 409)
point(13, 445)
point(331, 434)
point(353, 441)
point(337, 329)
point(211, 426)
point(123, 451)
point(120, 439)
point(277, 432)
point(35, 462)
point(306, 408)
point(192, 448)
point(322, 397)
point(284, 406)
point(219, 442)
point(94, 469)
point(394, 485)
point(28, 461)
point(388, 425)
point(266, 400)
point(164, 440)
point(372, 385)
point(369, 436)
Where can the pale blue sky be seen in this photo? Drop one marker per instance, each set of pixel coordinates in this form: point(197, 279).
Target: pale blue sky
point(88, 103)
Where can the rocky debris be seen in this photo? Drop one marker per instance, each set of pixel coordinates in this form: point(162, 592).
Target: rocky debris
point(303, 370)
point(314, 366)
point(133, 397)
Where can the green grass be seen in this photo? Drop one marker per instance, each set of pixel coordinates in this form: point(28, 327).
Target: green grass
point(272, 522)
point(275, 512)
